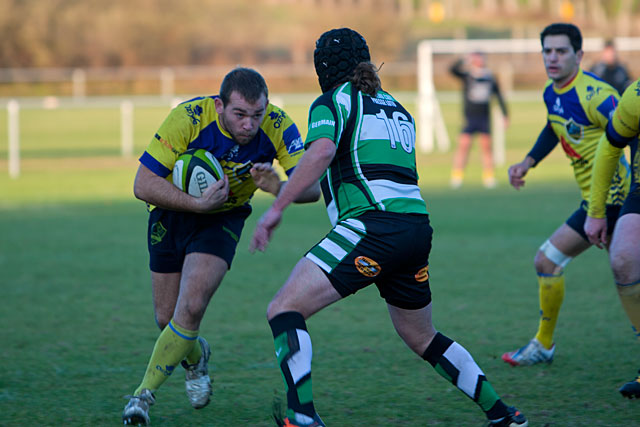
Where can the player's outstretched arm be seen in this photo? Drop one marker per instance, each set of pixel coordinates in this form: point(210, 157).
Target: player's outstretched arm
point(518, 171)
point(312, 165)
point(546, 142)
point(267, 179)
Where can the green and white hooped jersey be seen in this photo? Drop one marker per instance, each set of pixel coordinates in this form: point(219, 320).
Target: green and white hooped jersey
point(375, 164)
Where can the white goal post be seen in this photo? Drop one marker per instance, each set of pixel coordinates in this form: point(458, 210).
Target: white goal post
point(432, 131)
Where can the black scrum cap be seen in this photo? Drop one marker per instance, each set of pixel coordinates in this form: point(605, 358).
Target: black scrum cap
point(337, 54)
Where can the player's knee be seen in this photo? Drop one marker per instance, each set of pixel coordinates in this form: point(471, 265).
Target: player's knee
point(190, 313)
point(162, 320)
point(281, 304)
point(624, 270)
point(273, 309)
point(543, 265)
point(550, 260)
point(464, 144)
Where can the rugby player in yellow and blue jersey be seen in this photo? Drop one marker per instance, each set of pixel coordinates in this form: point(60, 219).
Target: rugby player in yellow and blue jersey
point(192, 241)
point(361, 144)
point(624, 251)
point(579, 106)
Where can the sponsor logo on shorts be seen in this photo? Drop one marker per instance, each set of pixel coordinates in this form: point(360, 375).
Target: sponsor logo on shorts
point(423, 274)
point(367, 266)
point(157, 232)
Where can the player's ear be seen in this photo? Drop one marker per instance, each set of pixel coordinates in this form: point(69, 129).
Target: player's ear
point(219, 105)
point(579, 55)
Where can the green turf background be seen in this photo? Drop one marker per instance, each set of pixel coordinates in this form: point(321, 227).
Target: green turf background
point(77, 320)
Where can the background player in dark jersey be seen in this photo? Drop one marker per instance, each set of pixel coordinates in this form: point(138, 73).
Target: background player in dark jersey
point(361, 142)
point(610, 69)
point(479, 86)
point(192, 241)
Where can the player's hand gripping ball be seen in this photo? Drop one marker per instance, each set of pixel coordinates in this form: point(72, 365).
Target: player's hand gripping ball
point(195, 170)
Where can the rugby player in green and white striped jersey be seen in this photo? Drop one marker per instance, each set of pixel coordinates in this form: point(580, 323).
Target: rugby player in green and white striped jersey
point(361, 146)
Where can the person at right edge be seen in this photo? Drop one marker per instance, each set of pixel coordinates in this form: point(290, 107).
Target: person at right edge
point(361, 144)
point(579, 106)
point(624, 250)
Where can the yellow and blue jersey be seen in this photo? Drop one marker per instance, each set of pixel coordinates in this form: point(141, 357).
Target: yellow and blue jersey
point(622, 130)
point(194, 124)
point(578, 114)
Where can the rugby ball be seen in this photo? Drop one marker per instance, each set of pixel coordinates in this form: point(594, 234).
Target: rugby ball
point(195, 170)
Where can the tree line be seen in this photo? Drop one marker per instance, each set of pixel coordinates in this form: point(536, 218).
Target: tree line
point(114, 33)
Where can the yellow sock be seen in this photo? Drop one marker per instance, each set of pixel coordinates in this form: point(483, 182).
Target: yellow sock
point(488, 174)
point(457, 176)
point(173, 344)
point(551, 296)
point(194, 355)
point(630, 299)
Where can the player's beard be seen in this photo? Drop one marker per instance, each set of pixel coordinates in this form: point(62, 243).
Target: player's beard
point(241, 139)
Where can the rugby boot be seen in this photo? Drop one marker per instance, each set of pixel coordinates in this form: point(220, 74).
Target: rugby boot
point(530, 354)
point(197, 382)
point(513, 419)
point(632, 388)
point(137, 410)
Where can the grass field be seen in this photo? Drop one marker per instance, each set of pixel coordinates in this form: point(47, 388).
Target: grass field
point(78, 321)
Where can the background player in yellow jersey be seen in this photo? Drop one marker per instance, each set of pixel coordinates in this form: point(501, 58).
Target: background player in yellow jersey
point(579, 107)
point(624, 252)
point(191, 240)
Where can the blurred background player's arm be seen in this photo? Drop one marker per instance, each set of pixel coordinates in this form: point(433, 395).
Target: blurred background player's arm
point(458, 68)
point(503, 106)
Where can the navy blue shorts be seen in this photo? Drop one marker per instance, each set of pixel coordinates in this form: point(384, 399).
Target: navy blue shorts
point(632, 203)
point(577, 219)
point(477, 124)
point(388, 249)
point(172, 235)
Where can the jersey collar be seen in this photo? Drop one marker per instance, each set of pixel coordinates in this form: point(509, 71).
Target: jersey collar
point(570, 84)
point(222, 130)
